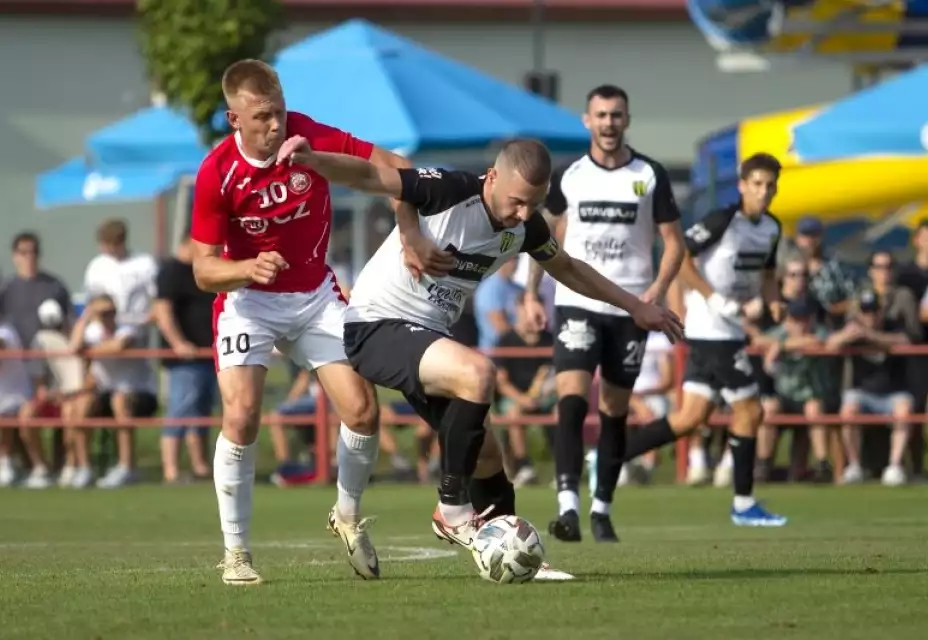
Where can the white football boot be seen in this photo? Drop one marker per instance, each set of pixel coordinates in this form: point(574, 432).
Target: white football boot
point(361, 553)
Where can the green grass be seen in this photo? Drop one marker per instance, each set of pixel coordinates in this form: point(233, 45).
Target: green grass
point(138, 563)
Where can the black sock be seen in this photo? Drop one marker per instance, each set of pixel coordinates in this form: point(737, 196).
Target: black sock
point(568, 452)
point(494, 491)
point(743, 454)
point(461, 436)
point(610, 453)
point(651, 436)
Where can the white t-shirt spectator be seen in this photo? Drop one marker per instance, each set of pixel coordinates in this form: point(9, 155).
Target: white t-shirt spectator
point(15, 384)
point(656, 350)
point(129, 282)
point(119, 374)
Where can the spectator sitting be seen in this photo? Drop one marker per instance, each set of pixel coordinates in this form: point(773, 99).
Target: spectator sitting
point(525, 385)
point(126, 387)
point(798, 385)
point(57, 380)
point(183, 314)
point(20, 298)
point(15, 392)
point(878, 385)
point(495, 306)
point(898, 303)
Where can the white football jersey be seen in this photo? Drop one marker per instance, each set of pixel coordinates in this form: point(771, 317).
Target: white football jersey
point(454, 216)
point(612, 216)
point(120, 374)
point(732, 251)
point(129, 282)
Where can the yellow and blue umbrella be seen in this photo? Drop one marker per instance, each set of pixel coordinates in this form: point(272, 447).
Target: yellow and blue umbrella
point(850, 163)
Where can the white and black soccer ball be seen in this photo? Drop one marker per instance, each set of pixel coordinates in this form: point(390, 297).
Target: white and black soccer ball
point(508, 549)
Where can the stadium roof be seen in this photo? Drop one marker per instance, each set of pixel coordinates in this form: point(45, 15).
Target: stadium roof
point(396, 9)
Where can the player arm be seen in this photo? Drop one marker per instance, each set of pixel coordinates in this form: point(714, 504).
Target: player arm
point(667, 218)
point(208, 230)
point(353, 172)
point(699, 238)
point(119, 342)
point(215, 274)
point(572, 273)
point(407, 220)
point(555, 211)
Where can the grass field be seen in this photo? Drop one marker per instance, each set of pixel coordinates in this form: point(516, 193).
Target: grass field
point(138, 563)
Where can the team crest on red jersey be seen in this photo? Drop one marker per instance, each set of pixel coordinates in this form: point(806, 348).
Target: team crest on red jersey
point(252, 225)
point(299, 182)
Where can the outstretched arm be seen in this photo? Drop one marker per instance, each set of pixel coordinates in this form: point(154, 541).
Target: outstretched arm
point(350, 171)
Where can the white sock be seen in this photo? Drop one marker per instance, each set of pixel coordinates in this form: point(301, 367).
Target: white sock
point(567, 501)
point(456, 514)
point(234, 477)
point(356, 455)
point(600, 507)
point(727, 461)
point(743, 503)
point(697, 458)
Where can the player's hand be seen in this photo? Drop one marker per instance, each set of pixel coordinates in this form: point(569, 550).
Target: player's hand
point(753, 309)
point(264, 268)
point(777, 310)
point(654, 295)
point(537, 314)
point(725, 307)
point(527, 402)
point(656, 318)
point(295, 150)
point(186, 350)
point(422, 256)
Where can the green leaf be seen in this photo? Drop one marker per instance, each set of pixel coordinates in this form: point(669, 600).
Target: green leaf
point(187, 44)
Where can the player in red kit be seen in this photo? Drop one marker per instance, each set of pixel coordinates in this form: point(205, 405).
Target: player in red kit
point(261, 234)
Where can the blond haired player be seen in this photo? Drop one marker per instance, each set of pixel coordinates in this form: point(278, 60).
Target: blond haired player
point(261, 232)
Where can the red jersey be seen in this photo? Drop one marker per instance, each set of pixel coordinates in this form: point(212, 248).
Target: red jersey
point(249, 206)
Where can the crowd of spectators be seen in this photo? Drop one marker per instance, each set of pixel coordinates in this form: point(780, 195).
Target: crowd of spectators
point(131, 298)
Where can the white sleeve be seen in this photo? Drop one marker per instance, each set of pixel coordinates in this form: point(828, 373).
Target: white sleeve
point(93, 333)
point(92, 282)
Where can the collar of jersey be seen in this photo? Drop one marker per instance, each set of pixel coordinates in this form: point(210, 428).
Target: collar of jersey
point(631, 158)
point(259, 164)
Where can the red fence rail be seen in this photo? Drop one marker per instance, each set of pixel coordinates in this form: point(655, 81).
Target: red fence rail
point(321, 417)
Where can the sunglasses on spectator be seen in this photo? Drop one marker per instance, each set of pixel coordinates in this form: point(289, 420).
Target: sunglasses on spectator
point(881, 265)
point(797, 274)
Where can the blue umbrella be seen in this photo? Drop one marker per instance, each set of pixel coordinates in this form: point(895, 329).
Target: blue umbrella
point(888, 119)
point(400, 95)
point(75, 182)
point(153, 136)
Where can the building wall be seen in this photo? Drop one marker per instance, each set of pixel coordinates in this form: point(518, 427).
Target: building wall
point(64, 78)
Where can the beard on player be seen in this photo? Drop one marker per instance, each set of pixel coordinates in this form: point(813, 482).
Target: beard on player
point(609, 139)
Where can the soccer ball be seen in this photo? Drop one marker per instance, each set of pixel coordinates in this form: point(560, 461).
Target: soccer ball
point(507, 550)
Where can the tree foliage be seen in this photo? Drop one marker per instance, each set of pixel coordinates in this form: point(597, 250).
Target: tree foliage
point(187, 44)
